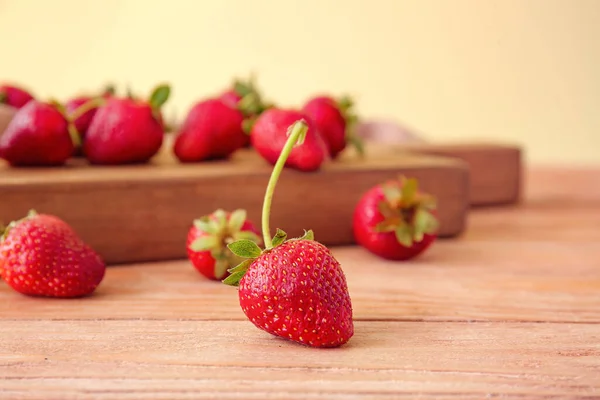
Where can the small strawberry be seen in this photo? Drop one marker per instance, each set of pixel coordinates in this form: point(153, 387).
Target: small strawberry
point(294, 288)
point(41, 255)
point(211, 130)
point(208, 237)
point(268, 137)
point(126, 130)
point(335, 122)
point(39, 134)
point(84, 118)
point(14, 96)
point(395, 220)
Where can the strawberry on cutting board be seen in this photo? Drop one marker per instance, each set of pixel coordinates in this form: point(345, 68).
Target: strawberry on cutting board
point(293, 288)
point(14, 96)
point(39, 134)
point(41, 255)
point(395, 220)
point(126, 130)
point(270, 133)
point(209, 236)
point(335, 121)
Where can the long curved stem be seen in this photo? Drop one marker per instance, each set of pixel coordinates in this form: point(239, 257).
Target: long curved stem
point(297, 133)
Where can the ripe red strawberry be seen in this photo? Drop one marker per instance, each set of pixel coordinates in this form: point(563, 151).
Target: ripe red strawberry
point(395, 220)
point(41, 255)
point(126, 130)
point(14, 96)
point(84, 118)
point(211, 130)
point(335, 122)
point(294, 288)
point(39, 134)
point(208, 237)
point(269, 135)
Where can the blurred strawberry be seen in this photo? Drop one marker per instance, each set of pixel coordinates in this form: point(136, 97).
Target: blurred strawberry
point(14, 96)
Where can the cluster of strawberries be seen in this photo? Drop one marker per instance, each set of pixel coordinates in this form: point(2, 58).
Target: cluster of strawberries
point(108, 129)
point(291, 287)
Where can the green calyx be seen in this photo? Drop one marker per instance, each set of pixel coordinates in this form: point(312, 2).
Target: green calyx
point(158, 98)
point(220, 231)
point(5, 229)
point(251, 102)
point(250, 251)
point(73, 133)
point(407, 212)
point(346, 106)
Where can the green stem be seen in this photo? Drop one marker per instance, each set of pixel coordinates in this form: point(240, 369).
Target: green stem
point(85, 107)
point(297, 133)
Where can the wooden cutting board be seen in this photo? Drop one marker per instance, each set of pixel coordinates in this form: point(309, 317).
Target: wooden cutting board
point(142, 213)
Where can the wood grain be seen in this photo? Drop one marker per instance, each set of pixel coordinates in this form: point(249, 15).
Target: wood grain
point(495, 169)
point(234, 360)
point(142, 213)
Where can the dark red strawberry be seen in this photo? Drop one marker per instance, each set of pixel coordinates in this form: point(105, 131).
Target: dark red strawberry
point(269, 135)
point(39, 134)
point(395, 220)
point(211, 130)
point(126, 130)
point(294, 288)
point(84, 118)
point(335, 121)
point(14, 96)
point(209, 236)
point(41, 255)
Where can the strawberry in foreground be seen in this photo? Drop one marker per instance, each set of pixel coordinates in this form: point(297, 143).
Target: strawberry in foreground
point(14, 96)
point(126, 130)
point(41, 255)
point(395, 220)
point(208, 237)
point(294, 288)
point(335, 122)
point(269, 135)
point(39, 134)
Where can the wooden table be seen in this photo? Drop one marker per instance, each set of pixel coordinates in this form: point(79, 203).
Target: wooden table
point(509, 310)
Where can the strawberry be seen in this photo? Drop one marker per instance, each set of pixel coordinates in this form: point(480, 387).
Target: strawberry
point(294, 288)
point(335, 122)
point(84, 119)
point(268, 137)
point(39, 134)
point(126, 130)
point(395, 220)
point(207, 239)
point(14, 96)
point(211, 130)
point(41, 255)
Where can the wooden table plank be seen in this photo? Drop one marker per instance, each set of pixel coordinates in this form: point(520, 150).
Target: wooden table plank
point(189, 359)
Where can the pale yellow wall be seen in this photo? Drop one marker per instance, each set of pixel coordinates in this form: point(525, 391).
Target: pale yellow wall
point(515, 70)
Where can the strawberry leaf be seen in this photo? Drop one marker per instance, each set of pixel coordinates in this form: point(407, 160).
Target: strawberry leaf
point(159, 96)
point(234, 279)
point(279, 237)
point(248, 235)
point(245, 248)
point(308, 235)
point(425, 222)
point(205, 243)
point(206, 225)
point(404, 235)
point(241, 267)
point(392, 194)
point(221, 268)
point(409, 190)
point(236, 220)
point(386, 210)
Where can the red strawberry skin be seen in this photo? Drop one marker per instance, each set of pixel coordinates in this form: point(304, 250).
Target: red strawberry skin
point(203, 261)
point(269, 134)
point(330, 122)
point(14, 96)
point(37, 135)
point(211, 130)
point(298, 291)
point(123, 131)
point(384, 244)
point(230, 97)
point(43, 256)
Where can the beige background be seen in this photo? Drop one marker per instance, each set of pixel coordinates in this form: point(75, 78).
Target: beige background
point(525, 71)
